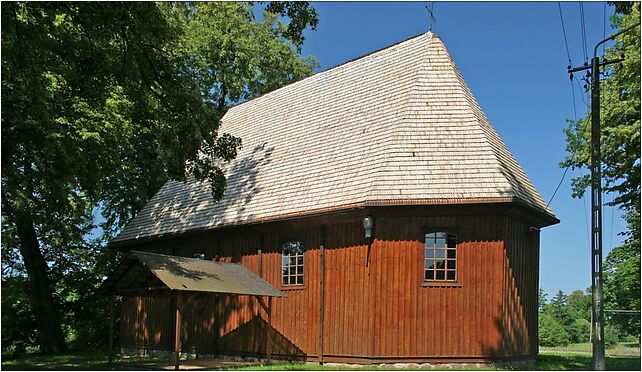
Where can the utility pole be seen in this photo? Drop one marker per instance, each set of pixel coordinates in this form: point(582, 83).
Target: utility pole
point(597, 310)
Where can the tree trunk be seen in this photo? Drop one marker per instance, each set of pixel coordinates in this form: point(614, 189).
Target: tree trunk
point(50, 336)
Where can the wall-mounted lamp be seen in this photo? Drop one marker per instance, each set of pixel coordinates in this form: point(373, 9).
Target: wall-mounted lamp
point(368, 224)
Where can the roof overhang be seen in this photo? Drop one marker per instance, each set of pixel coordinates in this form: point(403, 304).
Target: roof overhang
point(541, 218)
point(150, 274)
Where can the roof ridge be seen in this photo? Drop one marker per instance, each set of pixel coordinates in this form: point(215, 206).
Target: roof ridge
point(329, 69)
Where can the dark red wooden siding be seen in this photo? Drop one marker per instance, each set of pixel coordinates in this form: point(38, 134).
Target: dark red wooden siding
point(374, 309)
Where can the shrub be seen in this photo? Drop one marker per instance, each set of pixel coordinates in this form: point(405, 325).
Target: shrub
point(580, 331)
point(551, 332)
point(611, 335)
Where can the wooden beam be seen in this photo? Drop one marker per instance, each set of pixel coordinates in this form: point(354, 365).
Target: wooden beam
point(270, 329)
point(205, 298)
point(140, 290)
point(177, 339)
point(257, 338)
point(110, 342)
point(321, 292)
point(263, 305)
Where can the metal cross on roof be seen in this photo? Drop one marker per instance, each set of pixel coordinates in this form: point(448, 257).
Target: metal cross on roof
point(431, 15)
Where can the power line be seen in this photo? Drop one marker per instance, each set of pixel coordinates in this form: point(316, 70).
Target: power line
point(559, 6)
point(632, 312)
point(583, 28)
point(568, 54)
point(582, 95)
point(558, 186)
point(604, 28)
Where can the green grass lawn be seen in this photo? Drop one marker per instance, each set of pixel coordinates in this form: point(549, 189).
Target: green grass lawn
point(621, 349)
point(96, 360)
point(545, 362)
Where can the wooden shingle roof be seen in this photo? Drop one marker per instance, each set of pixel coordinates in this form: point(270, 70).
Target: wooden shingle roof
point(397, 126)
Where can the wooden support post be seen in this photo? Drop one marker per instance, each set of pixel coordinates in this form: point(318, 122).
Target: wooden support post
point(270, 330)
point(110, 343)
point(257, 337)
point(321, 292)
point(177, 340)
point(260, 270)
point(265, 331)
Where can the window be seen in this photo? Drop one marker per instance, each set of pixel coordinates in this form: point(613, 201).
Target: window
point(441, 257)
point(292, 263)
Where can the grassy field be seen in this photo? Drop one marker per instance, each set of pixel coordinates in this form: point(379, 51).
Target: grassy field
point(621, 349)
point(545, 362)
point(92, 360)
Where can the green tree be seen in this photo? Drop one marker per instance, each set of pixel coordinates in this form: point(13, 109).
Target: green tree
point(579, 304)
point(611, 335)
point(104, 102)
point(620, 139)
point(558, 309)
point(579, 311)
point(580, 330)
point(541, 300)
point(622, 286)
point(551, 332)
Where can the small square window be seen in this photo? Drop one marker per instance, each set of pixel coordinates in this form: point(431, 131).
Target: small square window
point(440, 257)
point(292, 263)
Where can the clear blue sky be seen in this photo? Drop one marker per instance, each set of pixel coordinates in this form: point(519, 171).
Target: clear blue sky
point(513, 57)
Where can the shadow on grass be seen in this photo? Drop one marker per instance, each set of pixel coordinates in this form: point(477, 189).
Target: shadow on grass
point(75, 360)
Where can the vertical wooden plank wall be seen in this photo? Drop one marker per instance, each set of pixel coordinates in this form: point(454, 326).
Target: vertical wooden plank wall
point(295, 318)
point(520, 298)
point(348, 306)
point(414, 321)
point(379, 310)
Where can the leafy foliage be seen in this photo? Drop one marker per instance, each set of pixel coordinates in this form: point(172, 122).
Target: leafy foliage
point(551, 332)
point(104, 102)
point(18, 322)
point(566, 319)
point(622, 285)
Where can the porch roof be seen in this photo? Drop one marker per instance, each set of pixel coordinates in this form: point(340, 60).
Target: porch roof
point(151, 274)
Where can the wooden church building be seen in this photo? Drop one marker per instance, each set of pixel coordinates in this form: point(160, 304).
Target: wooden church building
point(379, 199)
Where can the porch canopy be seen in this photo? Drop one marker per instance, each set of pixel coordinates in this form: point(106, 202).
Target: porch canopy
point(149, 274)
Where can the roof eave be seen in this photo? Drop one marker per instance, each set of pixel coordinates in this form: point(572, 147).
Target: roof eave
point(543, 218)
